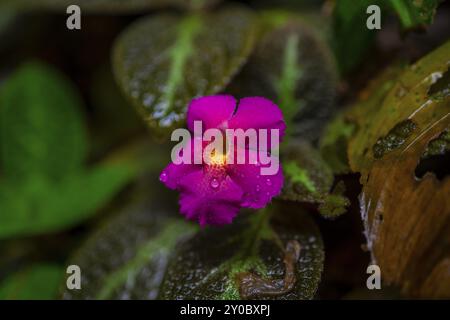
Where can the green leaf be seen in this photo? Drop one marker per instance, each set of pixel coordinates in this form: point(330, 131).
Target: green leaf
point(126, 258)
point(43, 140)
point(111, 6)
point(333, 144)
point(135, 254)
point(163, 61)
point(293, 66)
point(415, 13)
point(308, 178)
point(83, 194)
point(37, 282)
point(250, 258)
point(351, 38)
point(42, 132)
point(40, 206)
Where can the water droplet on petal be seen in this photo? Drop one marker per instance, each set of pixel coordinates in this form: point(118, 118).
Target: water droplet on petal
point(269, 182)
point(258, 187)
point(163, 177)
point(214, 183)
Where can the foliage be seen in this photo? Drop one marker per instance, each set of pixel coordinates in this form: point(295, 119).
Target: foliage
point(36, 282)
point(383, 158)
point(409, 121)
point(195, 55)
point(145, 253)
point(43, 142)
point(351, 44)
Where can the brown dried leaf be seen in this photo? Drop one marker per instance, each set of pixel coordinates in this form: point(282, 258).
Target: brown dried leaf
point(407, 219)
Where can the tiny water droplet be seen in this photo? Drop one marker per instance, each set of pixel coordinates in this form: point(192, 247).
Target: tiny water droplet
point(214, 183)
point(269, 182)
point(163, 177)
point(258, 187)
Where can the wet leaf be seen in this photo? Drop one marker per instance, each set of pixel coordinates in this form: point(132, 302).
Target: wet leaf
point(406, 219)
point(364, 111)
point(293, 66)
point(126, 258)
point(37, 282)
point(334, 143)
point(308, 178)
point(163, 61)
point(255, 257)
point(111, 6)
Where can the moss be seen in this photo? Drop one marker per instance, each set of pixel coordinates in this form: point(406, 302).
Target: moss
point(395, 138)
point(438, 146)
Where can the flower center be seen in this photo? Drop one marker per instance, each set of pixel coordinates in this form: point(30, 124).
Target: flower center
point(217, 158)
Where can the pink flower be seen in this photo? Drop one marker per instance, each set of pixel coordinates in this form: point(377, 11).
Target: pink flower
point(213, 193)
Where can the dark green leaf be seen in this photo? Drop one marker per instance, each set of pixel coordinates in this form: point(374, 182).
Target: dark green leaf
point(351, 38)
point(415, 13)
point(127, 257)
point(163, 61)
point(333, 144)
point(40, 281)
point(42, 132)
point(292, 66)
point(245, 259)
point(308, 178)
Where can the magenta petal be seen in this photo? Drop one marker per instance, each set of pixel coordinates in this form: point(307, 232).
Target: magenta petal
point(258, 113)
point(258, 189)
point(173, 173)
point(208, 202)
point(213, 111)
point(194, 208)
